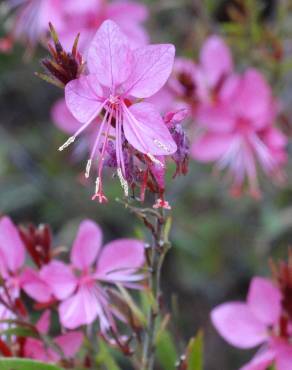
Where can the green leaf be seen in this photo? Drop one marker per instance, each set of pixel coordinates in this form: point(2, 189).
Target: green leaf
point(105, 357)
point(195, 352)
point(166, 351)
point(20, 332)
point(24, 364)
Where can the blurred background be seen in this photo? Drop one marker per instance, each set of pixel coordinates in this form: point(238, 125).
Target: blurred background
point(219, 242)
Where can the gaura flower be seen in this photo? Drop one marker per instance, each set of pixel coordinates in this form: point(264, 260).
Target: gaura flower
point(256, 322)
point(68, 343)
point(80, 287)
point(13, 272)
point(237, 131)
point(117, 76)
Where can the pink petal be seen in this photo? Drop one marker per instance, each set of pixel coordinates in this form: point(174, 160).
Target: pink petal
point(35, 349)
point(238, 326)
point(261, 361)
point(216, 118)
point(84, 98)
point(60, 278)
point(151, 69)
point(70, 343)
point(109, 55)
point(211, 147)
point(86, 245)
point(43, 325)
point(11, 246)
point(119, 259)
point(264, 300)
point(80, 309)
point(254, 98)
point(146, 131)
point(34, 286)
point(216, 60)
point(63, 118)
point(284, 359)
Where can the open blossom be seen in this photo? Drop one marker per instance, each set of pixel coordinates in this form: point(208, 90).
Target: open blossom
point(237, 131)
point(69, 343)
point(258, 321)
point(30, 20)
point(118, 76)
point(81, 287)
point(12, 267)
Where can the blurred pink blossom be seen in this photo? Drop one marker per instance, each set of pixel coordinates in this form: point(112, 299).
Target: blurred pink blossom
point(80, 286)
point(69, 343)
point(15, 275)
point(256, 322)
point(236, 130)
point(117, 76)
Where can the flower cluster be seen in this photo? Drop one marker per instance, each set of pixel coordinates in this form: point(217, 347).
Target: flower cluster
point(264, 319)
point(234, 116)
point(29, 20)
point(81, 292)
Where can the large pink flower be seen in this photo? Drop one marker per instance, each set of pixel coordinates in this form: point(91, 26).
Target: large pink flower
point(69, 343)
point(12, 259)
point(256, 322)
point(117, 76)
point(79, 286)
point(237, 130)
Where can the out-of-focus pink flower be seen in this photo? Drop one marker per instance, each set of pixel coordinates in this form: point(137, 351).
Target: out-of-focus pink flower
point(32, 18)
point(117, 76)
point(86, 17)
point(68, 343)
point(80, 286)
point(237, 131)
point(13, 272)
point(256, 322)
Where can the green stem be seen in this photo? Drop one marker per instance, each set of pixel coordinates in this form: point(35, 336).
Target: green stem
point(158, 251)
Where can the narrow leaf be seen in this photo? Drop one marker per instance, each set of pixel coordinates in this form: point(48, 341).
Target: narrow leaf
point(24, 364)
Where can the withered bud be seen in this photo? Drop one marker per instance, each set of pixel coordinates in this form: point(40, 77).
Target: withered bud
point(61, 67)
point(38, 242)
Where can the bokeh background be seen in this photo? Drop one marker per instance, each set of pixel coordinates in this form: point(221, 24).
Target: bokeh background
point(219, 242)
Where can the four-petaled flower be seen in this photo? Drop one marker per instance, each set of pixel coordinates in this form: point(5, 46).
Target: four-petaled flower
point(117, 76)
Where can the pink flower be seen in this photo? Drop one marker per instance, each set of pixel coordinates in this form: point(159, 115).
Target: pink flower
point(256, 322)
point(32, 18)
point(12, 259)
point(236, 131)
point(79, 286)
point(85, 17)
point(117, 76)
point(68, 343)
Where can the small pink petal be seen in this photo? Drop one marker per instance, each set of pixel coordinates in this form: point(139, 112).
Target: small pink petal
point(146, 131)
point(262, 360)
point(43, 325)
point(119, 259)
point(86, 245)
point(284, 359)
point(109, 55)
point(63, 118)
point(216, 60)
point(11, 246)
point(238, 326)
point(211, 147)
point(80, 309)
point(60, 279)
point(84, 98)
point(152, 67)
point(35, 349)
point(34, 286)
point(70, 343)
point(264, 300)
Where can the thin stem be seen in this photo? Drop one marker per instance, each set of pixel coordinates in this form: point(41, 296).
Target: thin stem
point(159, 250)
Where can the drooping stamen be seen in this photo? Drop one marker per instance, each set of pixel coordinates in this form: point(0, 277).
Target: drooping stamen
point(83, 127)
point(97, 140)
point(119, 153)
point(123, 182)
